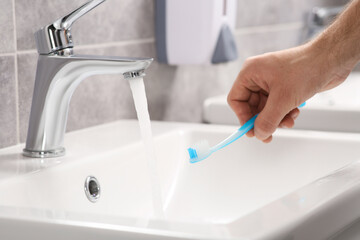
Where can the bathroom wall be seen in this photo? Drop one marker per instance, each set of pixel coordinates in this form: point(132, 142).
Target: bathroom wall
point(126, 28)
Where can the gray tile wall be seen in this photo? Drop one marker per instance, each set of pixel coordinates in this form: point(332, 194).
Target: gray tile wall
point(7, 102)
point(126, 27)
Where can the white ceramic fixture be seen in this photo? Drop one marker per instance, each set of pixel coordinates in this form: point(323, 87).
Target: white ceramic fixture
point(304, 185)
point(335, 110)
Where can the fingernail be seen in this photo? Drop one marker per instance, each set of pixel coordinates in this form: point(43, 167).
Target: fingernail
point(260, 135)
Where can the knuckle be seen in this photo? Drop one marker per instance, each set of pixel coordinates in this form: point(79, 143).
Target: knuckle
point(251, 61)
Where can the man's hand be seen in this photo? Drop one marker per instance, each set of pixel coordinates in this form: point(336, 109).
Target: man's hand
point(274, 84)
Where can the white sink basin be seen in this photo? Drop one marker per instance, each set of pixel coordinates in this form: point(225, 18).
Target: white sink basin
point(304, 185)
point(335, 110)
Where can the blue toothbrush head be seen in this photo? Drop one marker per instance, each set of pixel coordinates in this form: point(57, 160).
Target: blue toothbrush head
point(192, 154)
point(199, 152)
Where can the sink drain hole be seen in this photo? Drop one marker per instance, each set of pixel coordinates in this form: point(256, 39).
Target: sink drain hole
point(92, 189)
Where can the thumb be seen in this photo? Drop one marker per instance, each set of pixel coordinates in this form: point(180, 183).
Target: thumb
point(270, 117)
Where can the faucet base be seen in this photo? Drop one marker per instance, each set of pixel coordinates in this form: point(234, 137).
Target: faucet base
point(44, 154)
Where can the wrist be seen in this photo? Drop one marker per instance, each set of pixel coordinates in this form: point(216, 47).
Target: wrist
point(335, 57)
point(340, 41)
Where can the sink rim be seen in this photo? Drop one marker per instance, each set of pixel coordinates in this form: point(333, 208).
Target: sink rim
point(340, 176)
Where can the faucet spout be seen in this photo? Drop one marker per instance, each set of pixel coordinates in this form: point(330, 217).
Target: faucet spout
point(57, 77)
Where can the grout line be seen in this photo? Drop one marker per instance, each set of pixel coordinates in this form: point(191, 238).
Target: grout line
point(269, 28)
point(7, 54)
point(99, 45)
point(16, 79)
point(116, 44)
point(26, 51)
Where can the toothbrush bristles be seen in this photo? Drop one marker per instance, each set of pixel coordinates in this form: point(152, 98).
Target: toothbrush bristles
point(200, 151)
point(192, 153)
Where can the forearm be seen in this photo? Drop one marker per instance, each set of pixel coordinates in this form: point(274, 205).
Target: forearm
point(274, 84)
point(341, 41)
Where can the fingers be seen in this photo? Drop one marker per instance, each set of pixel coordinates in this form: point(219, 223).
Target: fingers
point(274, 112)
point(268, 140)
point(250, 133)
point(289, 119)
point(242, 101)
point(287, 122)
point(242, 110)
point(247, 108)
point(249, 96)
point(294, 113)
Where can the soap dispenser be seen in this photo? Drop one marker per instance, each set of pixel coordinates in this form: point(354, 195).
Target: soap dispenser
point(195, 32)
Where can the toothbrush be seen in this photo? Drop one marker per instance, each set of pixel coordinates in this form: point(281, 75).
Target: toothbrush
point(202, 150)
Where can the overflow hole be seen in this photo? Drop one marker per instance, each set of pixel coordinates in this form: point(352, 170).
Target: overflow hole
point(92, 189)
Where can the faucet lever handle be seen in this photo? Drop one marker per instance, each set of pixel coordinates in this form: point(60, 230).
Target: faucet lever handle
point(57, 36)
point(66, 21)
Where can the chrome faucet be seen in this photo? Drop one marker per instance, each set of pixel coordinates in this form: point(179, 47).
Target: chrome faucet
point(58, 74)
point(318, 19)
